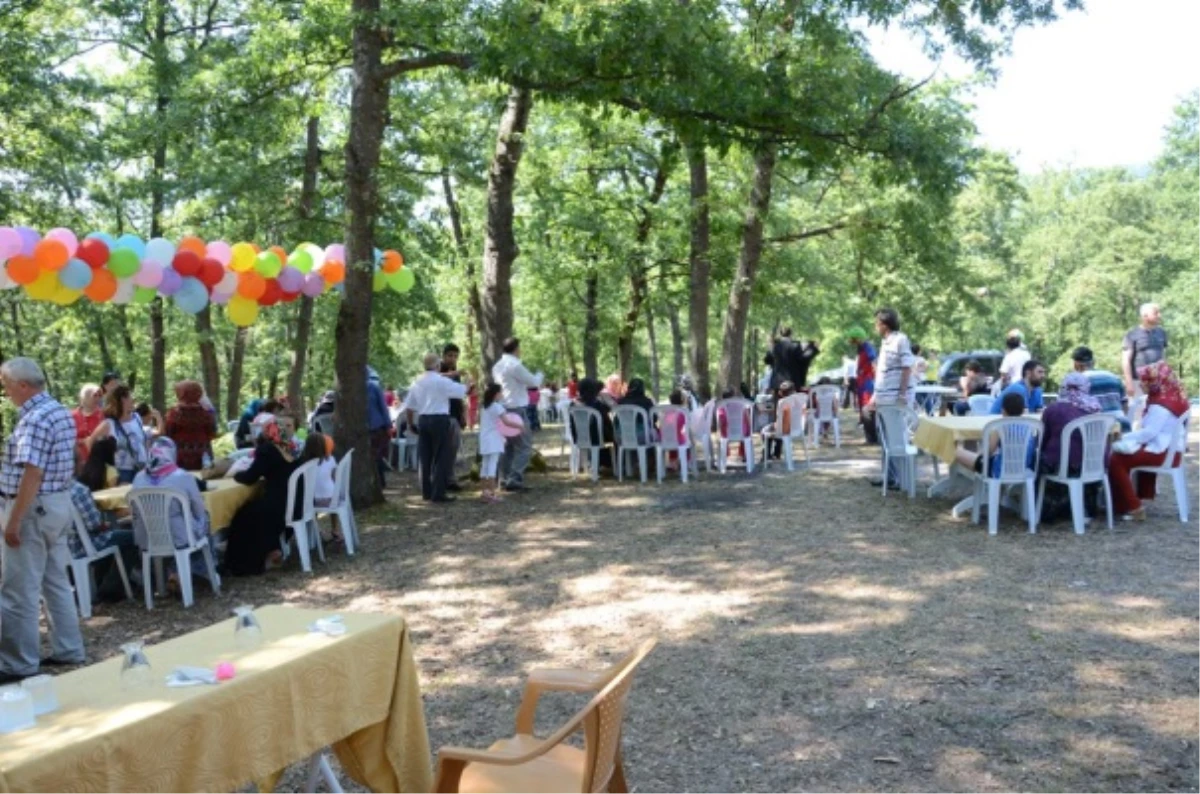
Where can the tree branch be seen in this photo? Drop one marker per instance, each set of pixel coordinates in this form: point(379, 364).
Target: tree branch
point(826, 231)
point(393, 69)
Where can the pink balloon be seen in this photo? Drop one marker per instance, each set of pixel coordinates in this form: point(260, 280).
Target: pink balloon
point(336, 251)
point(313, 286)
point(221, 298)
point(10, 242)
point(151, 274)
point(66, 237)
point(220, 251)
point(228, 283)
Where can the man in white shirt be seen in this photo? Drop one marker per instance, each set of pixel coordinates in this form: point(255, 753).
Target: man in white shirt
point(515, 382)
point(1013, 365)
point(894, 384)
point(429, 397)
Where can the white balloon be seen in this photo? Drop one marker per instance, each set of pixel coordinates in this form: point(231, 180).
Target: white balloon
point(124, 293)
point(5, 281)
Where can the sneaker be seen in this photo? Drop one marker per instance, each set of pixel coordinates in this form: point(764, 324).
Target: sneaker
point(515, 487)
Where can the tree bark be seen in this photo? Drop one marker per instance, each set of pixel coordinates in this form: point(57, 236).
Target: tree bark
point(701, 268)
point(131, 377)
point(304, 312)
point(158, 337)
point(474, 319)
point(368, 105)
point(676, 341)
point(209, 365)
point(733, 346)
point(655, 377)
point(564, 340)
point(237, 359)
point(591, 328)
point(500, 247)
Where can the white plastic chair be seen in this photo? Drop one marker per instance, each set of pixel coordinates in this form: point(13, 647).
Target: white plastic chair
point(1177, 473)
point(323, 424)
point(797, 405)
point(668, 440)
point(304, 525)
point(1016, 434)
point(1137, 407)
point(700, 426)
point(153, 507)
point(81, 567)
point(340, 508)
point(232, 426)
point(1093, 432)
point(565, 439)
point(981, 404)
point(583, 419)
point(739, 414)
point(893, 437)
point(545, 407)
point(824, 401)
point(625, 419)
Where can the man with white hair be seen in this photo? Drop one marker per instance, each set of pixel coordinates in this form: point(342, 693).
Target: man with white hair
point(429, 398)
point(1144, 345)
point(35, 495)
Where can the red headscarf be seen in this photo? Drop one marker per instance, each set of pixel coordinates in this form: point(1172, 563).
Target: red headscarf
point(1163, 388)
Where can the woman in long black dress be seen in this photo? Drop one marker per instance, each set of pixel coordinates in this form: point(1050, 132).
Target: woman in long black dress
point(255, 530)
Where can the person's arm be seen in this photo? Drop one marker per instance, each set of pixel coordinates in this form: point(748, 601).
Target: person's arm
point(259, 467)
point(526, 378)
point(1127, 369)
point(195, 498)
point(27, 491)
point(454, 391)
point(1155, 421)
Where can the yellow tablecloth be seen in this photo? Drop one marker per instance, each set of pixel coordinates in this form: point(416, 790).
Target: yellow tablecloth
point(223, 498)
point(293, 695)
point(940, 435)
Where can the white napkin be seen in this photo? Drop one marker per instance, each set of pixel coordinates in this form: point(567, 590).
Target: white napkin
point(191, 676)
point(331, 626)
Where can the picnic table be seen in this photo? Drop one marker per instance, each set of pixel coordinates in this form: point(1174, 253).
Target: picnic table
point(223, 499)
point(293, 695)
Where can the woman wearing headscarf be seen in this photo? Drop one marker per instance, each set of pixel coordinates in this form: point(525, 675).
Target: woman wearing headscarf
point(163, 471)
point(242, 436)
point(1166, 407)
point(1073, 402)
point(255, 530)
point(636, 395)
point(190, 426)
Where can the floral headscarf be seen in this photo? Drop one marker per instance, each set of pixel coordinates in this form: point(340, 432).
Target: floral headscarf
point(162, 460)
point(1163, 388)
point(1076, 389)
point(268, 428)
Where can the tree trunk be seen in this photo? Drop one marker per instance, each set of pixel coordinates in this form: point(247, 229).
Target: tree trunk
point(591, 328)
point(676, 341)
point(564, 339)
point(304, 313)
point(368, 105)
point(209, 365)
point(237, 359)
point(131, 377)
point(158, 336)
point(474, 318)
point(14, 313)
point(734, 342)
point(500, 247)
point(700, 269)
point(655, 378)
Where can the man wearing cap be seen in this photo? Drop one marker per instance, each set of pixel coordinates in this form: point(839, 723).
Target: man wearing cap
point(35, 493)
point(1106, 387)
point(1014, 360)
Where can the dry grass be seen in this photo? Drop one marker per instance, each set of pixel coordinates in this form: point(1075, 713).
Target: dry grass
point(813, 636)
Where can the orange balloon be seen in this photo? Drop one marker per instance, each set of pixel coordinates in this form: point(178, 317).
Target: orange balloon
point(51, 255)
point(23, 269)
point(251, 285)
point(258, 249)
point(279, 252)
point(333, 271)
point(392, 261)
point(103, 286)
point(193, 244)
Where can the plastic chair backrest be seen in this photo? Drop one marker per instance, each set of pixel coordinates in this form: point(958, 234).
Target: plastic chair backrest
point(232, 426)
point(893, 429)
point(582, 421)
point(562, 406)
point(306, 474)
point(1094, 431)
point(625, 421)
point(665, 416)
point(85, 537)
point(1178, 444)
point(1015, 434)
point(981, 404)
point(796, 405)
point(341, 479)
point(324, 424)
point(152, 506)
point(738, 413)
point(824, 398)
point(699, 427)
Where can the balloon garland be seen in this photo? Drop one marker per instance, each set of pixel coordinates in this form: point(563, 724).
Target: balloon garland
point(60, 268)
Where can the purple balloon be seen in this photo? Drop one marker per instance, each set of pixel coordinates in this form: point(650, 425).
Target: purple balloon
point(221, 298)
point(29, 239)
point(290, 279)
point(313, 286)
point(171, 282)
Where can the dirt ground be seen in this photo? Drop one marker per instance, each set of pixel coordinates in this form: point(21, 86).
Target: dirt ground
point(812, 634)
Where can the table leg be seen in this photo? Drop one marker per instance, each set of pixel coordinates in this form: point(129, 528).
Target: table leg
point(318, 767)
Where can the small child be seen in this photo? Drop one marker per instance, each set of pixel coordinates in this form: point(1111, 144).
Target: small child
point(491, 441)
point(319, 447)
point(680, 421)
point(1013, 405)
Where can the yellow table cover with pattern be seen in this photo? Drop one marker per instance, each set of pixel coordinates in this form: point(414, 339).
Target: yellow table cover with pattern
point(294, 694)
point(940, 435)
point(223, 498)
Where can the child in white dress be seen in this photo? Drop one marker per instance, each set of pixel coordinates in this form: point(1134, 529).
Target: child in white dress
point(491, 442)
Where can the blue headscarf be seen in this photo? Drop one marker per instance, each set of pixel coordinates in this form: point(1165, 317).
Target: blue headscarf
point(253, 409)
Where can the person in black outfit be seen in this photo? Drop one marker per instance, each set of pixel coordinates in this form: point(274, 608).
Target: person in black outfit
point(589, 397)
point(458, 411)
point(256, 528)
point(792, 360)
point(635, 394)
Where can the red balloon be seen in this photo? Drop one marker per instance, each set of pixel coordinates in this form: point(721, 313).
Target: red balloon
point(186, 263)
point(272, 294)
point(211, 272)
point(92, 251)
point(288, 297)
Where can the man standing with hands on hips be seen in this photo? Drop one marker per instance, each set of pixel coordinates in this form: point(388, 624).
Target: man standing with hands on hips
point(515, 382)
point(35, 492)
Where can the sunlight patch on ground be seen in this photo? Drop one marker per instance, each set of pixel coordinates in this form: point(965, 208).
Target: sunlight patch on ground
point(855, 589)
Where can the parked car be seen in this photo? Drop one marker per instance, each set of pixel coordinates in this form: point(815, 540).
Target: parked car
point(953, 366)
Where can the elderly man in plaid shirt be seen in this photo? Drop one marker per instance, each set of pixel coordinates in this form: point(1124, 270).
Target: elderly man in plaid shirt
point(35, 491)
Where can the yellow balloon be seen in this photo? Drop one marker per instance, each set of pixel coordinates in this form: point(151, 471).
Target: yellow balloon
point(242, 311)
point(65, 296)
point(44, 286)
point(243, 257)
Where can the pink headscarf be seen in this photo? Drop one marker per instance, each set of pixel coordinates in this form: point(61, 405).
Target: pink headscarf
point(162, 460)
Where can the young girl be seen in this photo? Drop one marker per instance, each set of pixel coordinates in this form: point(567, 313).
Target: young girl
point(319, 447)
point(680, 422)
point(491, 442)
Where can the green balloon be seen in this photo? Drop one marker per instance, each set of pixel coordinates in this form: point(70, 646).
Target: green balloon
point(301, 260)
point(267, 264)
point(402, 280)
point(379, 281)
point(123, 263)
point(144, 294)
